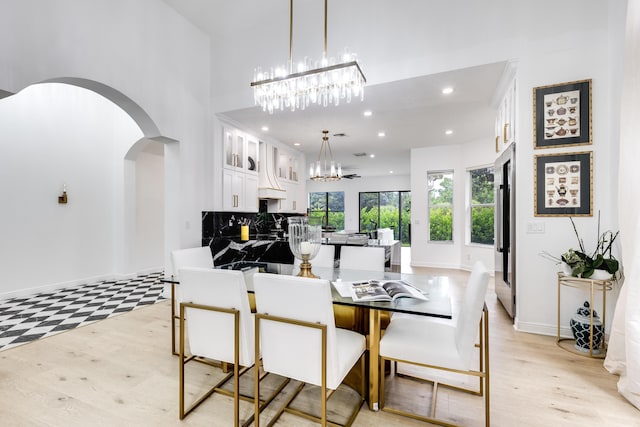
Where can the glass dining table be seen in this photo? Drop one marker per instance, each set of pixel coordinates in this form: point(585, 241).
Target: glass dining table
point(367, 314)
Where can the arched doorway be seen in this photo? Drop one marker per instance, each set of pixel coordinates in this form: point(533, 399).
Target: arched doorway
point(61, 141)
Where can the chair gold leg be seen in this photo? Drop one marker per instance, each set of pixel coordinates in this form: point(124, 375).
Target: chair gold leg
point(482, 374)
point(181, 354)
point(434, 399)
point(235, 373)
point(173, 319)
point(487, 394)
point(381, 389)
point(324, 391)
point(256, 376)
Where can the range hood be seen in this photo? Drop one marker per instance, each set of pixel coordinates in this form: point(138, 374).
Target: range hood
point(268, 185)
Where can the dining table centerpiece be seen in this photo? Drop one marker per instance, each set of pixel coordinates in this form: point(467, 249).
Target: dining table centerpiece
point(305, 238)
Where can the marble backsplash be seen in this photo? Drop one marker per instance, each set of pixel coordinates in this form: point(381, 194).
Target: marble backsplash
point(262, 226)
point(267, 237)
point(227, 251)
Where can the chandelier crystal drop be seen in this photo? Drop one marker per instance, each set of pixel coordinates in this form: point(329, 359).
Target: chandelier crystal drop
point(322, 82)
point(325, 169)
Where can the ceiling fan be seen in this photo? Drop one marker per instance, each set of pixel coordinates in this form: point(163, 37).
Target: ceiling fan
point(351, 176)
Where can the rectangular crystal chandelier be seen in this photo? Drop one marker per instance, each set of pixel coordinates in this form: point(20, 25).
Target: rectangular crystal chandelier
point(322, 83)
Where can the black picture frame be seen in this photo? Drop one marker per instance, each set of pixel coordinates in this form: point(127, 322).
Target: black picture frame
point(562, 115)
point(563, 184)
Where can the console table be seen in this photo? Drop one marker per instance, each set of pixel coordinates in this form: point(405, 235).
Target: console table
point(594, 286)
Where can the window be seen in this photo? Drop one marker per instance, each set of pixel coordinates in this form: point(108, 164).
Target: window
point(328, 206)
point(481, 206)
point(386, 209)
point(440, 197)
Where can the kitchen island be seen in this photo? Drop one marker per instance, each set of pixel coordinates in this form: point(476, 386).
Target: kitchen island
point(228, 250)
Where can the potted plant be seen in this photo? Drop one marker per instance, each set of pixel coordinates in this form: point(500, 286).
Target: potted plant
point(599, 264)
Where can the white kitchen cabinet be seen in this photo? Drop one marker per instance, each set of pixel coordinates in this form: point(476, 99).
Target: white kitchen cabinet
point(240, 151)
point(239, 191)
point(251, 201)
point(240, 171)
point(288, 166)
point(295, 201)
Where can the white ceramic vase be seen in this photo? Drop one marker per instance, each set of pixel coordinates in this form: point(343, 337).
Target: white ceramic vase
point(565, 269)
point(601, 275)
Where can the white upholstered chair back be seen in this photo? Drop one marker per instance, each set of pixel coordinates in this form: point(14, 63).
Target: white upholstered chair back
point(192, 257)
point(294, 351)
point(385, 234)
point(325, 258)
point(211, 334)
point(362, 258)
point(471, 311)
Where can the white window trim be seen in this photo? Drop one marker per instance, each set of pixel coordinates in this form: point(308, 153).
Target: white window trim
point(429, 206)
point(469, 206)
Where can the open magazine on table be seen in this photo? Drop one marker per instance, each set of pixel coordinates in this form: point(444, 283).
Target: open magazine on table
point(384, 290)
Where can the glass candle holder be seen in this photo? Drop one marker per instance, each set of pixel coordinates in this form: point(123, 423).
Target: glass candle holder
point(305, 238)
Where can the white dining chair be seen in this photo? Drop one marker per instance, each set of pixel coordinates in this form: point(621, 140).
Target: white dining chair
point(325, 258)
point(221, 328)
point(385, 234)
point(419, 341)
point(362, 258)
point(180, 258)
point(297, 337)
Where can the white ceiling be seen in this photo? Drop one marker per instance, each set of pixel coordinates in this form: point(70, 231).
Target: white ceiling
point(412, 112)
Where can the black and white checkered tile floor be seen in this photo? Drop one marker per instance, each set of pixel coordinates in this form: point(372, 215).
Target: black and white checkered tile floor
point(27, 319)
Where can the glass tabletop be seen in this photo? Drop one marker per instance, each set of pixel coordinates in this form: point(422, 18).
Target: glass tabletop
point(435, 288)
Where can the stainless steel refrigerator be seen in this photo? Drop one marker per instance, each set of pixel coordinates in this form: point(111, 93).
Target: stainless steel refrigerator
point(505, 227)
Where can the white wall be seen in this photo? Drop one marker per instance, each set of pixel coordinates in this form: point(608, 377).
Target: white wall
point(164, 65)
point(157, 61)
point(52, 135)
point(149, 232)
point(536, 277)
point(458, 158)
point(396, 40)
point(352, 188)
point(154, 63)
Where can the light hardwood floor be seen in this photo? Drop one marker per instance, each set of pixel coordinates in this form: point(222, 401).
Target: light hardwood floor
point(120, 372)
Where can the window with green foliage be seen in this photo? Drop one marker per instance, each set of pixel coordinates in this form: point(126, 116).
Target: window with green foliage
point(440, 188)
point(481, 206)
point(387, 209)
point(330, 207)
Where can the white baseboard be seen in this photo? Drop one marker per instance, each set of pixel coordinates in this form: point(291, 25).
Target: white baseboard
point(432, 265)
point(542, 329)
point(19, 293)
point(447, 266)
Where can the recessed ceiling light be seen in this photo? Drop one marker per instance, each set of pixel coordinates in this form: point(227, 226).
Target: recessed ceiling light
point(297, 144)
point(367, 113)
point(390, 171)
point(447, 90)
point(381, 134)
point(265, 128)
point(372, 155)
point(448, 132)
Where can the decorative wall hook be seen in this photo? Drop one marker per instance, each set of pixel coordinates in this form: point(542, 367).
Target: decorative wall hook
point(63, 199)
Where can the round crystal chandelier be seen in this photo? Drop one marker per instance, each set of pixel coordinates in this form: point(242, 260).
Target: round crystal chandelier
point(325, 82)
point(324, 169)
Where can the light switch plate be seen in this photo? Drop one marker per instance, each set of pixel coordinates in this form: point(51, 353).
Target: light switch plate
point(535, 227)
